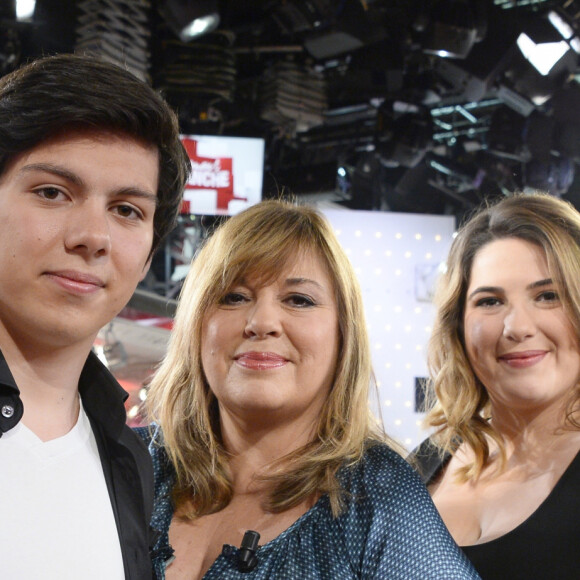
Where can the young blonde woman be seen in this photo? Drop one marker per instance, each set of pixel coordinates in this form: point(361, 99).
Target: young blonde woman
point(503, 467)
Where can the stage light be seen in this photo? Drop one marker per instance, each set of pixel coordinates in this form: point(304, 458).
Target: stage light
point(338, 27)
point(25, 9)
point(509, 63)
point(200, 26)
point(566, 30)
point(523, 87)
point(543, 57)
point(540, 63)
point(451, 28)
point(190, 19)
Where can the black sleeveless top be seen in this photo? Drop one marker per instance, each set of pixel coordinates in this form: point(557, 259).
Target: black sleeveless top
point(546, 546)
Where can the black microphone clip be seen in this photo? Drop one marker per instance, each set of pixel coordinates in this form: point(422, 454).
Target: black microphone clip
point(247, 559)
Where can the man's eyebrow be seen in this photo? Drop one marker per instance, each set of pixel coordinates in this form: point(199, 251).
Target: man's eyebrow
point(137, 192)
point(78, 181)
point(55, 170)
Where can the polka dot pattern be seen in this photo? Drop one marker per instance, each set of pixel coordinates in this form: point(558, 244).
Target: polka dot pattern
point(390, 529)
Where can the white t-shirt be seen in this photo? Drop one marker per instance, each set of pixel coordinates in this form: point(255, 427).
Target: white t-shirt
point(56, 519)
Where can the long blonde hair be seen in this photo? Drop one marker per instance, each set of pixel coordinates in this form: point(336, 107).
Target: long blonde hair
point(460, 407)
point(261, 241)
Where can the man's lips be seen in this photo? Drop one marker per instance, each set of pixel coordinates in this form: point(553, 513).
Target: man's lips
point(523, 359)
point(260, 360)
point(75, 281)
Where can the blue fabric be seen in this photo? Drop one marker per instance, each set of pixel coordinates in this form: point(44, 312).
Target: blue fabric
point(390, 529)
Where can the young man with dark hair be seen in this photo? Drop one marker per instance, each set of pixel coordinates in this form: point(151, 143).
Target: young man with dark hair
point(91, 177)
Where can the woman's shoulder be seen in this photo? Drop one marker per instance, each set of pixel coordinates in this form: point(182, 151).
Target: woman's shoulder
point(386, 493)
point(377, 452)
point(391, 522)
point(384, 481)
point(384, 466)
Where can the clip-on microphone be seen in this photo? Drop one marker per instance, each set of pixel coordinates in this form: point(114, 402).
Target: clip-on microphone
point(247, 559)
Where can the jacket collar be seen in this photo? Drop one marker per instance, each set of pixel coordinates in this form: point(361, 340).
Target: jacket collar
point(103, 398)
point(11, 407)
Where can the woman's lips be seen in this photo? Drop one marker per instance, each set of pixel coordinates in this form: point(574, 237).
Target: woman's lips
point(523, 359)
point(260, 361)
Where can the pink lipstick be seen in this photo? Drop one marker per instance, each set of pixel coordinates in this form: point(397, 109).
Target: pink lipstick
point(523, 359)
point(260, 361)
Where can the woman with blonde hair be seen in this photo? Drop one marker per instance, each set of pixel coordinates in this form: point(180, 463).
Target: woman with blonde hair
point(503, 465)
point(262, 431)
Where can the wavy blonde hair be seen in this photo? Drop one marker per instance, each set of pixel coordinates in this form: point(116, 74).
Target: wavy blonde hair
point(261, 241)
point(460, 406)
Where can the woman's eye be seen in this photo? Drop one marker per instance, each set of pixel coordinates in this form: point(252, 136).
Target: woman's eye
point(549, 296)
point(233, 299)
point(300, 300)
point(487, 302)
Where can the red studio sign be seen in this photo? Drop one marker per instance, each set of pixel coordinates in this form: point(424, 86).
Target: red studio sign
point(210, 173)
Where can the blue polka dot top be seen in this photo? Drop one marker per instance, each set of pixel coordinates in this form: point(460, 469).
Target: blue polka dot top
point(389, 529)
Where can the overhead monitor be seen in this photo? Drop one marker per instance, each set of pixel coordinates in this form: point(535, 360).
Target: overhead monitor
point(227, 174)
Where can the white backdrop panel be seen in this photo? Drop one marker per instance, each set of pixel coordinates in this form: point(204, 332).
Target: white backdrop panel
point(396, 257)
